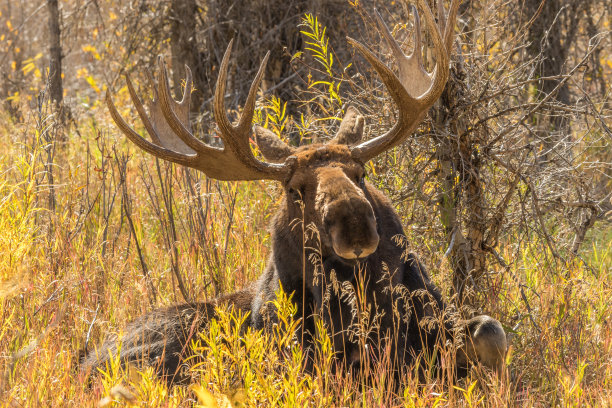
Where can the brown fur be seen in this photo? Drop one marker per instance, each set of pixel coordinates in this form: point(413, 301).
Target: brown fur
point(326, 190)
point(161, 339)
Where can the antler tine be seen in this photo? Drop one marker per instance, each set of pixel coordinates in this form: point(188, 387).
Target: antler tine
point(139, 141)
point(441, 16)
point(177, 126)
point(415, 91)
point(236, 138)
point(418, 44)
point(141, 110)
point(187, 91)
point(394, 87)
point(440, 76)
point(249, 107)
point(449, 27)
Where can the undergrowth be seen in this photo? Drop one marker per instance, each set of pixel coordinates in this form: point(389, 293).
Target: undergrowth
point(96, 248)
point(72, 274)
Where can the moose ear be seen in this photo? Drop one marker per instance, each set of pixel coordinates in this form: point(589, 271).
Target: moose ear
point(273, 149)
point(351, 128)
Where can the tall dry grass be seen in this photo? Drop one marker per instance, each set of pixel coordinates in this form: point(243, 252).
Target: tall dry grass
point(98, 248)
point(94, 233)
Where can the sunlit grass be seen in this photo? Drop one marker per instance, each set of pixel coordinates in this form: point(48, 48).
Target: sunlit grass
point(73, 271)
point(73, 274)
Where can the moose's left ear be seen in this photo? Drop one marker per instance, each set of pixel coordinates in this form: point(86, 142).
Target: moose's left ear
point(272, 148)
point(351, 128)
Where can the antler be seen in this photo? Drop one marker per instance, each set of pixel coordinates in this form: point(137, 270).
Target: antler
point(172, 139)
point(416, 90)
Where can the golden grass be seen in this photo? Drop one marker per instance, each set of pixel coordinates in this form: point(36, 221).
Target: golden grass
point(72, 273)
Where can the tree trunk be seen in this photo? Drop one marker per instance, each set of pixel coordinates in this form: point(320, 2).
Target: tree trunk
point(550, 38)
point(461, 198)
point(11, 76)
point(56, 92)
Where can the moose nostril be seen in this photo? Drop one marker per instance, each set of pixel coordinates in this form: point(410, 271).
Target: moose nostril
point(357, 251)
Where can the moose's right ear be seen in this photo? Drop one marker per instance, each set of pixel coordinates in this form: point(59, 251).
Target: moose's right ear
point(272, 148)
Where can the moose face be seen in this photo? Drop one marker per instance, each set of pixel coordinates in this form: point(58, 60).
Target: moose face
point(328, 185)
point(341, 211)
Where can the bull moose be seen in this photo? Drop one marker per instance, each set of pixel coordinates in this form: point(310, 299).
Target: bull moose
point(324, 185)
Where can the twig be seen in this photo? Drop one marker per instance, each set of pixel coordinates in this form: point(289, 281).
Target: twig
point(121, 165)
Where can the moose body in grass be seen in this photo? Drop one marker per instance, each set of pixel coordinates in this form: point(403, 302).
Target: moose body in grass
point(356, 241)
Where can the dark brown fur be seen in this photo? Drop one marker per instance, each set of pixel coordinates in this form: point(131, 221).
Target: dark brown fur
point(161, 339)
point(334, 170)
point(356, 244)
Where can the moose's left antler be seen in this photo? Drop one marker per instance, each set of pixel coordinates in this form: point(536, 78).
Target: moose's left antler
point(416, 90)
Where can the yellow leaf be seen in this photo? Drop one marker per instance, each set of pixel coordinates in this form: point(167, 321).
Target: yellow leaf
point(9, 25)
point(205, 398)
point(29, 67)
point(13, 97)
point(91, 49)
point(82, 72)
point(92, 82)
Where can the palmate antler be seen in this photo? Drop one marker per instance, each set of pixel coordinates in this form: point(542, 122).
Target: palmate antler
point(168, 125)
point(414, 92)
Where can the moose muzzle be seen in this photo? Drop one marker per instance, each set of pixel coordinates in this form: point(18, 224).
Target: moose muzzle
point(351, 227)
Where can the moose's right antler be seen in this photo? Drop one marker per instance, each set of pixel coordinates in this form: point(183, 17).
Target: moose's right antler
point(172, 140)
point(415, 91)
